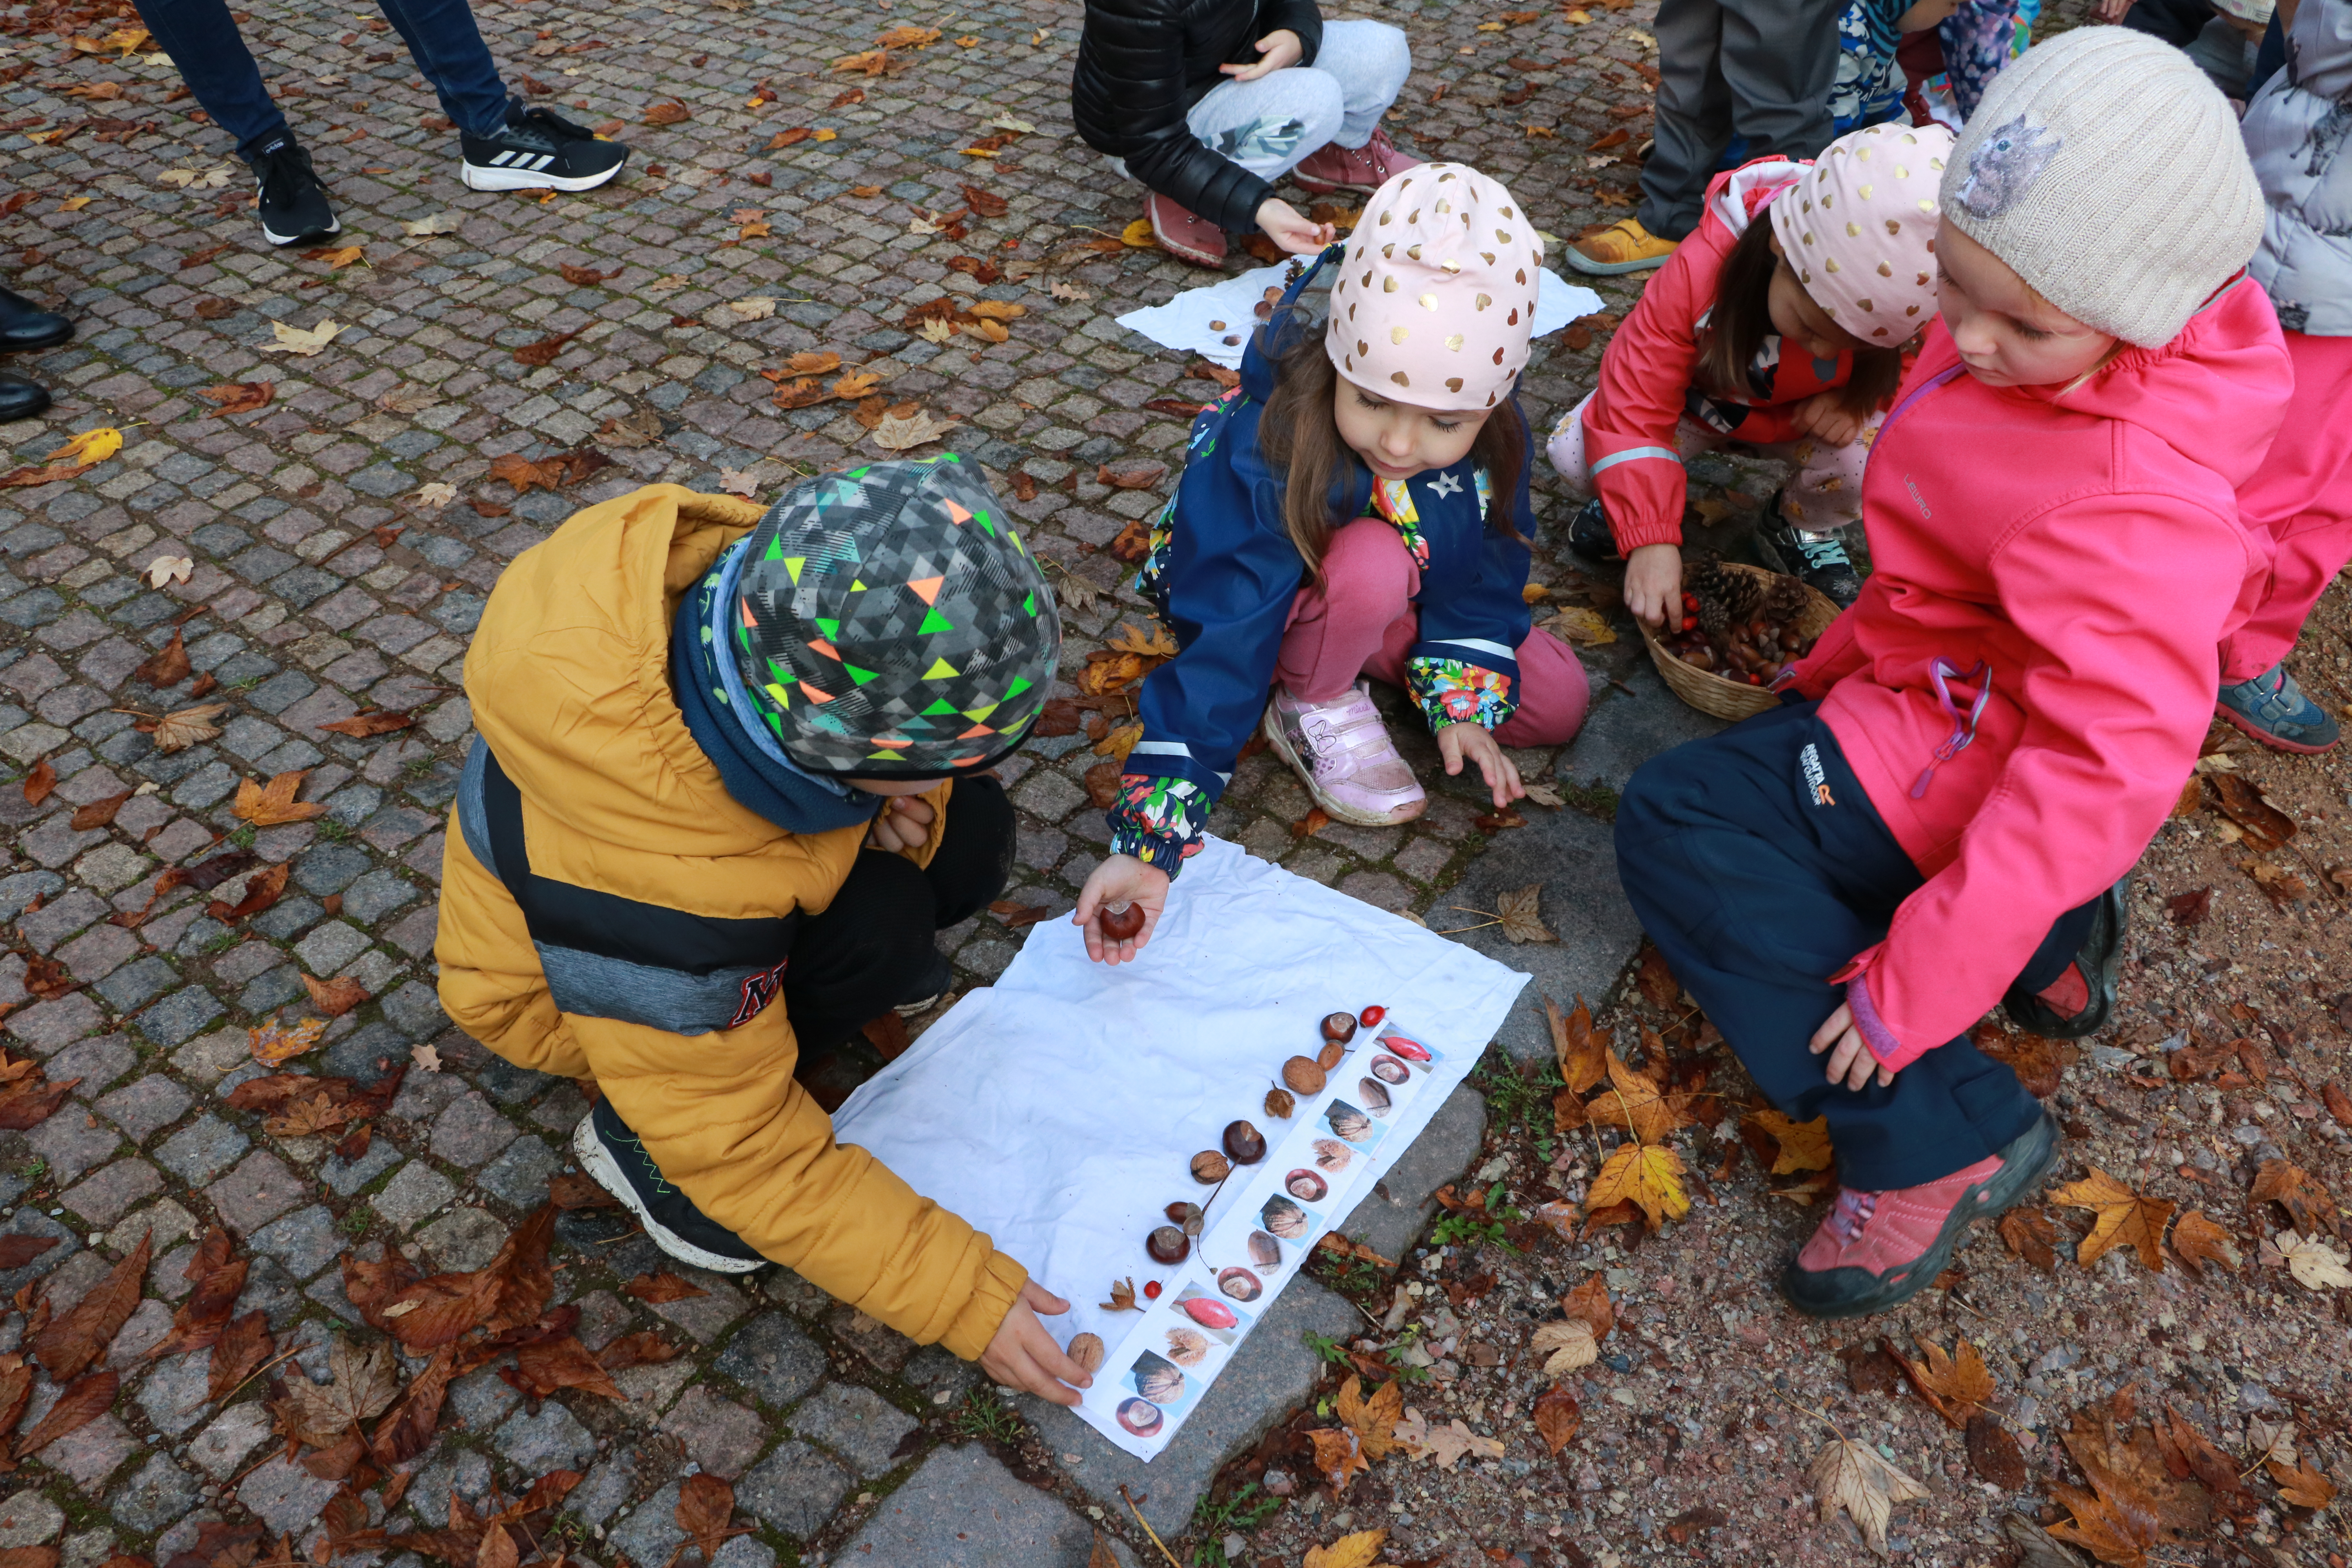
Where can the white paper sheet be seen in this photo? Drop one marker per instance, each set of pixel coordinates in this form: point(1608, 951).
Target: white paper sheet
point(1058, 1109)
point(1189, 322)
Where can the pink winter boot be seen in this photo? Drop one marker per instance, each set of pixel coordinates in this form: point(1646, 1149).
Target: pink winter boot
point(1342, 753)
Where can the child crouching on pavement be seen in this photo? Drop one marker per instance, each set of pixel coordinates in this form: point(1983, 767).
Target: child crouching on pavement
point(1784, 338)
point(1358, 506)
point(1975, 754)
point(728, 781)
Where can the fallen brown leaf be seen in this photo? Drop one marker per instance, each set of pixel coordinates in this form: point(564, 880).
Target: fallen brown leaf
point(168, 666)
point(2123, 1218)
point(238, 396)
point(661, 1287)
point(271, 804)
point(362, 726)
point(81, 1336)
point(40, 782)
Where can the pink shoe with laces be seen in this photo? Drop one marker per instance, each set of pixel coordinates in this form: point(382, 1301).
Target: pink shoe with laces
point(1876, 1251)
point(1342, 753)
point(1332, 167)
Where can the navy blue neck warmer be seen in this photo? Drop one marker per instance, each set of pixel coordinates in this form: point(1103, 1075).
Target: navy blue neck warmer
point(791, 800)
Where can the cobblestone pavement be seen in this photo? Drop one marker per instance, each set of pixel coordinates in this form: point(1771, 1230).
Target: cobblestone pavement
point(342, 538)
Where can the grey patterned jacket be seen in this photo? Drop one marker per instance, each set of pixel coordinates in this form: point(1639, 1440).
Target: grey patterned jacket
point(2297, 130)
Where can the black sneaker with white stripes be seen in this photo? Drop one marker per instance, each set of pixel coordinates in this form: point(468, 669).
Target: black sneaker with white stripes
point(294, 206)
point(610, 1153)
point(540, 150)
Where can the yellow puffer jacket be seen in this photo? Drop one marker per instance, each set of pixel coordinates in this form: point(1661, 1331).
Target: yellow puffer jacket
point(569, 678)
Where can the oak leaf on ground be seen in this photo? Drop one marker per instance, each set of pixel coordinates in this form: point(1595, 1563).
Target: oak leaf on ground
point(2122, 1218)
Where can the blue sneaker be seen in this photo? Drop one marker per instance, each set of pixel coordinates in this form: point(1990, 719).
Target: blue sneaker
point(2275, 710)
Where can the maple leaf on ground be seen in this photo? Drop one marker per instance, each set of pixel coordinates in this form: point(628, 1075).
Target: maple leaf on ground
point(238, 396)
point(2189, 1452)
point(2198, 1241)
point(360, 1385)
point(2135, 1503)
point(306, 342)
point(267, 806)
point(2032, 1235)
point(80, 1338)
point(1850, 1476)
point(1339, 1454)
point(1373, 1420)
point(1521, 914)
point(705, 1503)
point(2307, 1203)
point(178, 731)
point(2300, 1486)
point(83, 1402)
point(1446, 1445)
point(902, 434)
point(2123, 1218)
point(1955, 1385)
point(1648, 1176)
point(307, 1118)
point(662, 1286)
point(1565, 1346)
point(273, 1042)
point(2315, 1265)
point(1582, 1051)
point(1360, 1550)
point(1801, 1146)
point(167, 665)
point(1632, 1101)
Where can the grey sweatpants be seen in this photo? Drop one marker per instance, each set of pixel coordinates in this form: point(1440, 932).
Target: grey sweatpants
point(1268, 125)
point(1758, 69)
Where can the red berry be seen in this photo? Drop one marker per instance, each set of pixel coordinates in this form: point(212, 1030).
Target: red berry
point(1370, 1018)
point(1689, 622)
point(1151, 1289)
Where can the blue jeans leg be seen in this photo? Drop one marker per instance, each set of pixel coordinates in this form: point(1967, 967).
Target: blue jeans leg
point(218, 69)
point(447, 48)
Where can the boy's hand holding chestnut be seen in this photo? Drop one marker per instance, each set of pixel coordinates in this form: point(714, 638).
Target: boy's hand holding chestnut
point(1120, 879)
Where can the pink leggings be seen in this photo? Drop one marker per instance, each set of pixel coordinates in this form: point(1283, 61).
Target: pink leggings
point(1363, 622)
point(2301, 496)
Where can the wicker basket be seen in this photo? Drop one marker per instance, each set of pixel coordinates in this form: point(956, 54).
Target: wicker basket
point(1719, 694)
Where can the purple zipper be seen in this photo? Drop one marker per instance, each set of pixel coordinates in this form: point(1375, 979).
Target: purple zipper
point(1964, 730)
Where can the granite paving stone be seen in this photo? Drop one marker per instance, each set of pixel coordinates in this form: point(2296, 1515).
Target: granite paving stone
point(793, 1489)
point(855, 1423)
point(718, 1434)
point(773, 1358)
point(256, 1191)
point(963, 1509)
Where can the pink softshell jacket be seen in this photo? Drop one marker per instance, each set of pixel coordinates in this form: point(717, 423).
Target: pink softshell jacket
point(2074, 558)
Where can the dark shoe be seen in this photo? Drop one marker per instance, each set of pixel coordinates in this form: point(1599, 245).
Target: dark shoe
point(924, 990)
point(538, 151)
point(294, 206)
point(1817, 559)
point(25, 325)
point(610, 1153)
point(20, 398)
point(2079, 1002)
point(2276, 712)
point(1588, 534)
point(1876, 1251)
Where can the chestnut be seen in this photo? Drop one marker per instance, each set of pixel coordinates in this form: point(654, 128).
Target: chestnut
point(1304, 1075)
point(1184, 1216)
point(1169, 1245)
point(1244, 1143)
point(1121, 921)
point(1340, 1026)
point(1208, 1167)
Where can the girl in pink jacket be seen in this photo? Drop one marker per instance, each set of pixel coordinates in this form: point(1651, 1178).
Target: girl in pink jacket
point(1974, 755)
point(1779, 329)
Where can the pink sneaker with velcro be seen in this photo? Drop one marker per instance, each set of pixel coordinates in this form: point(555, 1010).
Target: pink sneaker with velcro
point(1874, 1251)
point(1342, 753)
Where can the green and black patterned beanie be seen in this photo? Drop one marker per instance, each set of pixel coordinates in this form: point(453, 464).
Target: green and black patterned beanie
point(891, 624)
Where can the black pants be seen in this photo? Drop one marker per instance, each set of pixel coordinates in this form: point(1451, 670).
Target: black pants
point(1758, 69)
point(1756, 892)
point(872, 948)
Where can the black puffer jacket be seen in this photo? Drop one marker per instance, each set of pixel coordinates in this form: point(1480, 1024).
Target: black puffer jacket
point(1143, 64)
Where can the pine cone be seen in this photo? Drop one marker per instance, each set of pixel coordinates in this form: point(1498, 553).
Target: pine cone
point(1785, 601)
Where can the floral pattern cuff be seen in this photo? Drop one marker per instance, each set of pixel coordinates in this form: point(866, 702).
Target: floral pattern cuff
point(1160, 821)
point(1452, 692)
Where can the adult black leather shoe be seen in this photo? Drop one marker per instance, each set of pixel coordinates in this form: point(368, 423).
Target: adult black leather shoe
point(25, 325)
point(20, 398)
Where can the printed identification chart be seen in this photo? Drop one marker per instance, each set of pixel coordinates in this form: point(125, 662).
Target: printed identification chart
point(1059, 1110)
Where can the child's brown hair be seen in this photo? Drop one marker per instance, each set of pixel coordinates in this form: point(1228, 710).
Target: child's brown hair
point(1743, 317)
point(1299, 435)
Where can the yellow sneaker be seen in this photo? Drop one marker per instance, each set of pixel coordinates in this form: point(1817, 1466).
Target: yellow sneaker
point(1623, 246)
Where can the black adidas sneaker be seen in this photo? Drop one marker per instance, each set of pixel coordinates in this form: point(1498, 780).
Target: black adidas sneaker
point(610, 1153)
point(538, 150)
point(294, 206)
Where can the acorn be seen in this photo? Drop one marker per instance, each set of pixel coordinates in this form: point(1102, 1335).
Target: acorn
point(1279, 1105)
point(1208, 1167)
point(1121, 921)
point(1169, 1245)
point(1086, 1350)
point(1329, 1057)
point(1263, 1251)
point(1340, 1026)
point(1304, 1075)
point(1244, 1143)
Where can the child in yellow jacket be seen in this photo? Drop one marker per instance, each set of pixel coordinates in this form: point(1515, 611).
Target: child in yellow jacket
point(728, 781)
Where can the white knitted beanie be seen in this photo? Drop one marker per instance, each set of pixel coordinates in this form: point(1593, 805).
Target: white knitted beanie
point(2107, 172)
